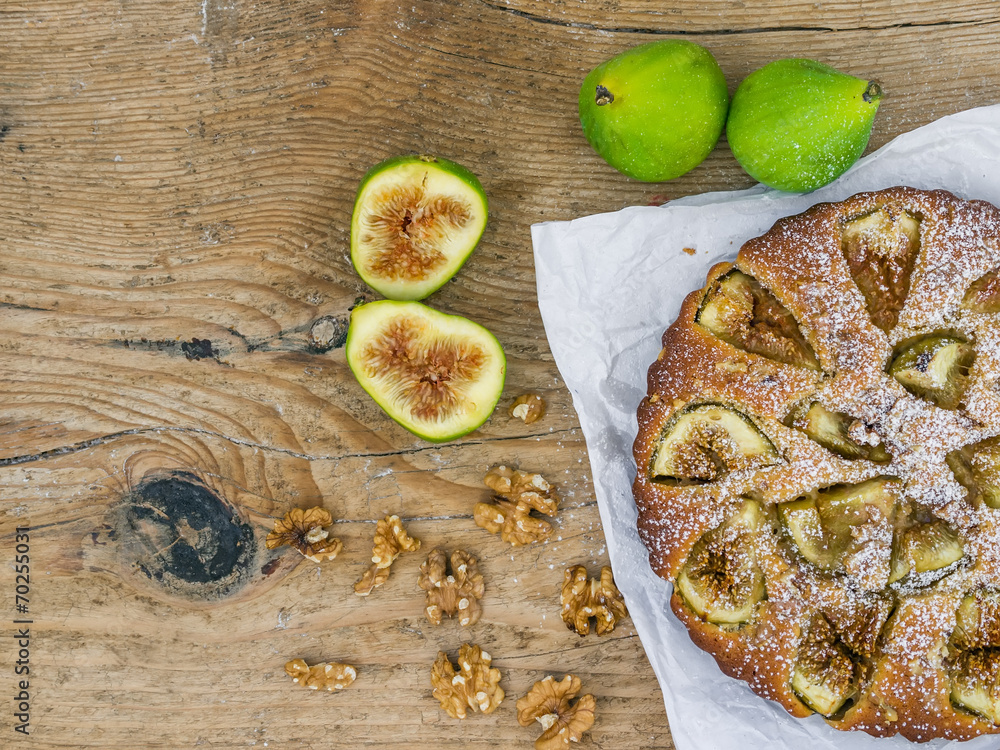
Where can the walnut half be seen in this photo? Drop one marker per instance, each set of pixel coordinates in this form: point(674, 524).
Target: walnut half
point(548, 703)
point(597, 598)
point(476, 685)
point(529, 408)
point(391, 540)
point(458, 593)
point(302, 528)
point(509, 514)
point(321, 676)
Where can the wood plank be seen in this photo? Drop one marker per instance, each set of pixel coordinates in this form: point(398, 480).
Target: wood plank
point(127, 650)
point(176, 183)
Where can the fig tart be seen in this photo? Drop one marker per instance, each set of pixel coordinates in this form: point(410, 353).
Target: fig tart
point(818, 464)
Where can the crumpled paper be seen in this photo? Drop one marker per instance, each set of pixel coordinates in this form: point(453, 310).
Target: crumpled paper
point(608, 286)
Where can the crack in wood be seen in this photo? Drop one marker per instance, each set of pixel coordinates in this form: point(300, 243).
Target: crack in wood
point(104, 439)
point(72, 448)
point(458, 517)
point(20, 306)
point(407, 519)
point(594, 644)
point(337, 521)
point(535, 18)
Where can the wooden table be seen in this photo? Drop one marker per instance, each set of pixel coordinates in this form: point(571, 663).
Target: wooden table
point(176, 183)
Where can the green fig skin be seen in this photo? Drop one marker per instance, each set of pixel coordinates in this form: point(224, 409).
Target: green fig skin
point(797, 125)
point(655, 111)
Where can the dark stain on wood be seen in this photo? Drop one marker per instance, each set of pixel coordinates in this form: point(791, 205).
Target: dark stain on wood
point(328, 333)
point(195, 349)
point(16, 306)
point(198, 349)
point(158, 345)
point(181, 535)
point(270, 566)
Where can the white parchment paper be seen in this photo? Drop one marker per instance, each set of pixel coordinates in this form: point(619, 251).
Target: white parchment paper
point(608, 286)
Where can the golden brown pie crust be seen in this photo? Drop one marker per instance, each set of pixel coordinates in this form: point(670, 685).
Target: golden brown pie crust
point(801, 261)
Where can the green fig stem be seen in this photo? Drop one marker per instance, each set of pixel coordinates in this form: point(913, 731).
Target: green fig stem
point(603, 96)
point(873, 93)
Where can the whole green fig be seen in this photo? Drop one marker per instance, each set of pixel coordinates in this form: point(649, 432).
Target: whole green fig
point(797, 125)
point(655, 111)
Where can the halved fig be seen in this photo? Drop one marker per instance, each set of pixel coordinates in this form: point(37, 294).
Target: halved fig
point(824, 525)
point(825, 675)
point(977, 621)
point(975, 682)
point(802, 520)
point(881, 249)
point(720, 580)
point(925, 548)
point(834, 430)
point(743, 313)
point(437, 375)
point(703, 442)
point(935, 368)
point(984, 293)
point(977, 468)
point(860, 622)
point(416, 220)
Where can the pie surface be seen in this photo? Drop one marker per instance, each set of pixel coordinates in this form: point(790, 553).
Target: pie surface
point(818, 464)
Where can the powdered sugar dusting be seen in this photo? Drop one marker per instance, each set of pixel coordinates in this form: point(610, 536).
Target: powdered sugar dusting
point(903, 684)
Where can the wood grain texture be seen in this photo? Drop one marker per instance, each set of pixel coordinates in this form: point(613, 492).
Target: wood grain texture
point(176, 181)
point(737, 17)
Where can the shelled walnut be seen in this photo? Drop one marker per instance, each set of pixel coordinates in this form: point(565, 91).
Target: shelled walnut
point(458, 593)
point(371, 580)
point(548, 703)
point(302, 528)
point(391, 540)
point(321, 676)
point(598, 598)
point(475, 686)
point(529, 408)
point(510, 513)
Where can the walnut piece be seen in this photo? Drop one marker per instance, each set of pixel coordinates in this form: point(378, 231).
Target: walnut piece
point(475, 686)
point(321, 676)
point(302, 528)
point(597, 598)
point(458, 593)
point(548, 703)
point(371, 580)
point(510, 513)
point(529, 408)
point(391, 540)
